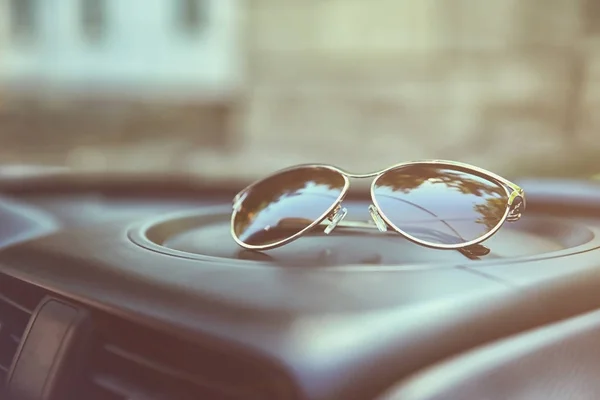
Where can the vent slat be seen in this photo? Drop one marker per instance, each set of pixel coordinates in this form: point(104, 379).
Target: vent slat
point(131, 360)
point(8, 348)
point(129, 375)
point(171, 376)
point(120, 389)
point(13, 303)
point(17, 302)
point(146, 363)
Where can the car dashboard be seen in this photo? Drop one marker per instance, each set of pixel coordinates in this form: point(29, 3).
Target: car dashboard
point(128, 288)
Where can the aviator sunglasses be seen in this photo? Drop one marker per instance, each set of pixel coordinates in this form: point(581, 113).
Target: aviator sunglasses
point(437, 204)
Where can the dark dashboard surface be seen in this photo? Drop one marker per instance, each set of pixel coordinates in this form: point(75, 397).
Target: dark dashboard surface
point(338, 317)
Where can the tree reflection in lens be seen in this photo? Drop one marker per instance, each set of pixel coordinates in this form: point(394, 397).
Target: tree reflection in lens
point(440, 204)
point(304, 194)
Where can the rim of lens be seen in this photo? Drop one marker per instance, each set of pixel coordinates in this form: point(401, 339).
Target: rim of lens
point(301, 232)
point(464, 168)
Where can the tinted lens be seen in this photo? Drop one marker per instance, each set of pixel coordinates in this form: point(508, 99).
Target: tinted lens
point(281, 206)
point(440, 204)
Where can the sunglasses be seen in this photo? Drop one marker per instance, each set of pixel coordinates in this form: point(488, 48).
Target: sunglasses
point(437, 204)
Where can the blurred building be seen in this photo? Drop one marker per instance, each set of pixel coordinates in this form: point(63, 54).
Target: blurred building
point(164, 48)
point(117, 71)
point(506, 84)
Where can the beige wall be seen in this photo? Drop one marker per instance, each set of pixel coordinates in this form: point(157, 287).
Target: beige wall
point(366, 83)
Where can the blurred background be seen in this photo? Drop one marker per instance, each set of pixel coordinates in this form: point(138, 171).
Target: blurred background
point(237, 88)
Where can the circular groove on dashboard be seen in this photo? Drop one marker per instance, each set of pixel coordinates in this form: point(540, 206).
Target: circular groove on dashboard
point(205, 235)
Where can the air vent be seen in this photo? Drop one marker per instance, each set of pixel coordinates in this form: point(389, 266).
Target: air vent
point(17, 302)
point(131, 362)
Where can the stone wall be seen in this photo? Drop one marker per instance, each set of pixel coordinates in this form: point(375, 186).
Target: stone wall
point(367, 83)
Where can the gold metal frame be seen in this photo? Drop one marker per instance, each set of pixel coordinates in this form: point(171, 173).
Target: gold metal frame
point(515, 205)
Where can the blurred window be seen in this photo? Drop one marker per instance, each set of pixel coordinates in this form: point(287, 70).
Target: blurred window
point(191, 16)
point(93, 20)
point(23, 19)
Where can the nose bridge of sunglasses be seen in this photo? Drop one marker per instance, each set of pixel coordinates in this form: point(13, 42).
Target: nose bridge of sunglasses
point(338, 214)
